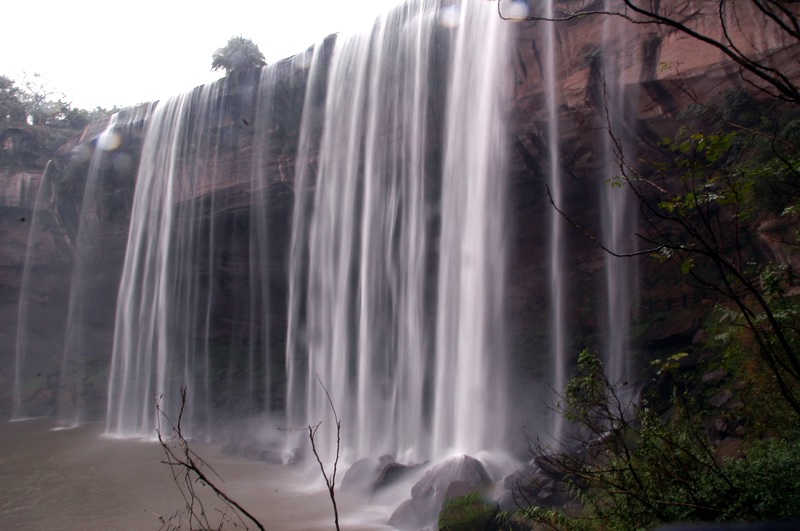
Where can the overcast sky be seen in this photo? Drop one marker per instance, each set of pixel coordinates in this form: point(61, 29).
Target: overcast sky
point(126, 52)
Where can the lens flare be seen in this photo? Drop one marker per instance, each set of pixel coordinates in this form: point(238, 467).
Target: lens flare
point(109, 141)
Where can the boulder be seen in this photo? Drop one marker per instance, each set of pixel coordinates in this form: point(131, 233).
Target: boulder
point(458, 489)
point(367, 475)
point(714, 376)
point(390, 473)
point(429, 493)
point(721, 398)
point(360, 477)
point(406, 516)
point(435, 482)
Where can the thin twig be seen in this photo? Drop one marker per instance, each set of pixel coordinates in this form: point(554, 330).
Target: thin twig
point(187, 468)
point(330, 482)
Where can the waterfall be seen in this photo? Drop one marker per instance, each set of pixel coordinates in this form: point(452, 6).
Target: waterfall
point(557, 261)
point(469, 407)
point(402, 314)
point(618, 215)
point(97, 258)
point(25, 320)
point(396, 262)
point(162, 330)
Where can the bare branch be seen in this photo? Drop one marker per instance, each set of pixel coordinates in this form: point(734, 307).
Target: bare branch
point(330, 481)
point(188, 470)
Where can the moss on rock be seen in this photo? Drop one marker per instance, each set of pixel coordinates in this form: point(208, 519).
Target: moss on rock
point(468, 513)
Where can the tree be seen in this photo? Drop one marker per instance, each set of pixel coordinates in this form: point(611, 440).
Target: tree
point(703, 196)
point(188, 471)
point(43, 103)
point(238, 54)
point(12, 110)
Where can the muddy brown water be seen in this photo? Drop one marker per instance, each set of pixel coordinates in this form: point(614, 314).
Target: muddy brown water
point(76, 479)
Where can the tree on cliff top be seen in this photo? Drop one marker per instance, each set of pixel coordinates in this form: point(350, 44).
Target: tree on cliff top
point(12, 110)
point(238, 54)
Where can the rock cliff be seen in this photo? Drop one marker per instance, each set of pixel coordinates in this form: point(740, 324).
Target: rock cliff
point(663, 73)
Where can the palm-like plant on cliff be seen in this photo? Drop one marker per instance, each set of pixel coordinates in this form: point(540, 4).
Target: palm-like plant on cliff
point(238, 54)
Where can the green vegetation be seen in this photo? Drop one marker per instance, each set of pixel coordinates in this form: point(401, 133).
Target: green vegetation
point(654, 463)
point(32, 101)
point(12, 111)
point(715, 435)
point(467, 513)
point(238, 54)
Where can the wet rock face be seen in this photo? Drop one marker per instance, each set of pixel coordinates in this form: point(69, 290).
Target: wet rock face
point(655, 86)
point(368, 476)
point(430, 492)
point(662, 71)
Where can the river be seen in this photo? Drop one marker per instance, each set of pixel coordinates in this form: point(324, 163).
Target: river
point(76, 479)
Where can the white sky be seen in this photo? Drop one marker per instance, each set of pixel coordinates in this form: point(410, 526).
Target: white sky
point(130, 51)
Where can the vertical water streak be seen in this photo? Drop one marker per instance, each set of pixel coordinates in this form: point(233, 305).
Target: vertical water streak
point(21, 346)
point(86, 264)
point(393, 237)
point(258, 358)
point(406, 396)
point(297, 353)
point(333, 246)
point(617, 207)
point(469, 408)
point(97, 263)
point(557, 264)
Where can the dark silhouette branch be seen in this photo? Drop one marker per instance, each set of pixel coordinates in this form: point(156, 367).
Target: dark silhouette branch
point(330, 481)
point(188, 469)
point(593, 238)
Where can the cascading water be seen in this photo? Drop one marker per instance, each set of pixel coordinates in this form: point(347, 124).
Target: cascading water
point(412, 360)
point(81, 215)
point(469, 407)
point(163, 338)
point(397, 252)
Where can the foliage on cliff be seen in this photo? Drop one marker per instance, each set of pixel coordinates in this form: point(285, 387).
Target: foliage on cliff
point(641, 465)
point(714, 438)
point(238, 54)
point(693, 449)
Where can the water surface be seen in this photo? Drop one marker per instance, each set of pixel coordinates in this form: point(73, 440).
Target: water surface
point(75, 479)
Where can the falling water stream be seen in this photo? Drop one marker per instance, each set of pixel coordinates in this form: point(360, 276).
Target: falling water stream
point(618, 213)
point(557, 264)
point(330, 233)
point(397, 258)
point(24, 330)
